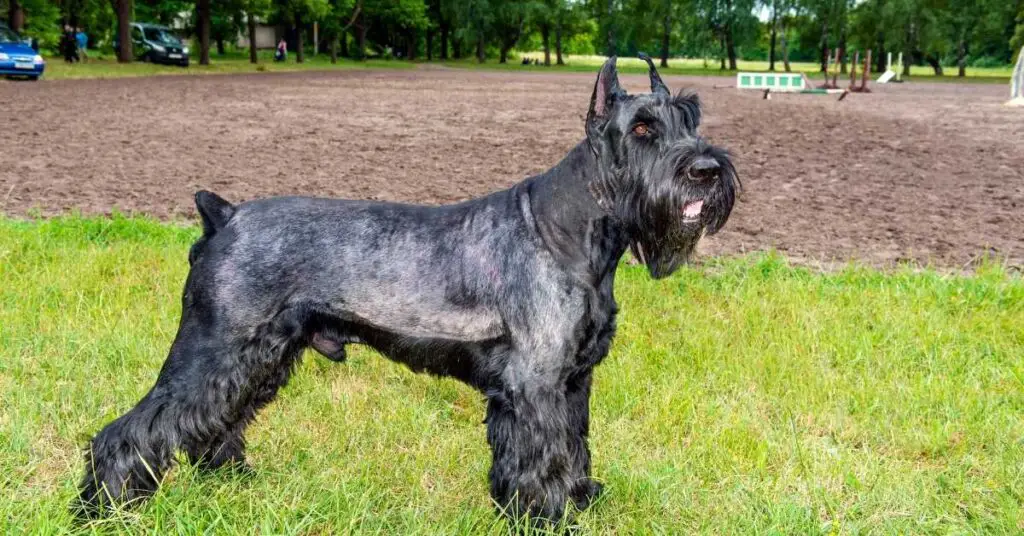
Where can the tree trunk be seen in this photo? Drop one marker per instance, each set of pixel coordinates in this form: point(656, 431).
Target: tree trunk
point(334, 50)
point(880, 60)
point(220, 46)
point(824, 48)
point(343, 38)
point(430, 44)
point(908, 54)
point(730, 48)
point(775, 31)
point(457, 48)
point(16, 15)
point(300, 55)
point(666, 30)
point(558, 44)
point(124, 32)
point(842, 49)
point(611, 28)
point(251, 22)
point(785, 51)
point(545, 37)
point(480, 49)
point(961, 57)
point(504, 54)
point(360, 52)
point(410, 45)
point(934, 62)
point(444, 41)
point(721, 52)
point(203, 12)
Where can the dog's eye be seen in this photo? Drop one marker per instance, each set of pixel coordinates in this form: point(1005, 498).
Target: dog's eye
point(640, 129)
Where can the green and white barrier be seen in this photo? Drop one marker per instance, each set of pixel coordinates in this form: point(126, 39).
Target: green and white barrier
point(772, 81)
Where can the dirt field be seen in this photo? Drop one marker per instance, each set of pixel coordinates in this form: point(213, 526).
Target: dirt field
point(932, 173)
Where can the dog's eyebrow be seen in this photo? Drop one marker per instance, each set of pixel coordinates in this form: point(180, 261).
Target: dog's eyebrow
point(645, 114)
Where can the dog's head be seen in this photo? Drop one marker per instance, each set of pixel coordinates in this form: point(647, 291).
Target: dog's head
point(656, 175)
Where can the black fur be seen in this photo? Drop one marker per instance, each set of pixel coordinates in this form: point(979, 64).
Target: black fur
point(510, 293)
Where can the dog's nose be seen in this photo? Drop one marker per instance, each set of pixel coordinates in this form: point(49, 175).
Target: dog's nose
point(705, 169)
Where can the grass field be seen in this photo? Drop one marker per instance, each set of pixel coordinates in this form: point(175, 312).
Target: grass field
point(104, 66)
point(743, 396)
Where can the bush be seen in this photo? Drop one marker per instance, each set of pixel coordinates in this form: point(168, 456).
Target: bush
point(986, 61)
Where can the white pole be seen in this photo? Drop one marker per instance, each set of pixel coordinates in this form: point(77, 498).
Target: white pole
point(1017, 82)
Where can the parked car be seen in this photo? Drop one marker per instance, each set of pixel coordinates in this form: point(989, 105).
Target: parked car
point(157, 44)
point(17, 57)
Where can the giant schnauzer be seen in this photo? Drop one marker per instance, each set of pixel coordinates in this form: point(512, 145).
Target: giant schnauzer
point(510, 293)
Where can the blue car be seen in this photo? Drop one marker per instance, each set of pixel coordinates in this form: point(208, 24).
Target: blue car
point(17, 57)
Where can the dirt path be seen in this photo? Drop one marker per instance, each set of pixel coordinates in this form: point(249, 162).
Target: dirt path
point(932, 173)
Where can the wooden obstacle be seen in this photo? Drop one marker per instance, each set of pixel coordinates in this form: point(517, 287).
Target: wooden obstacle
point(832, 64)
point(1017, 82)
point(863, 87)
point(891, 74)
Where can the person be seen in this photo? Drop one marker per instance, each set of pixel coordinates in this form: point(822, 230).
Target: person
point(68, 45)
point(82, 42)
point(282, 51)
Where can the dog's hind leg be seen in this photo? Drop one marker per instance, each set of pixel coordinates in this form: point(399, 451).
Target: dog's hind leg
point(209, 388)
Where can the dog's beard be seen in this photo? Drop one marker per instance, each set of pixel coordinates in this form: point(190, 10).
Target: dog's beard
point(668, 238)
point(666, 254)
point(665, 214)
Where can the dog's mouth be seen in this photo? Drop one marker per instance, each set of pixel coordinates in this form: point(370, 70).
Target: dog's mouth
point(692, 211)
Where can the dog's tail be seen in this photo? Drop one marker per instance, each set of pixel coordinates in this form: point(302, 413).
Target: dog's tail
point(215, 213)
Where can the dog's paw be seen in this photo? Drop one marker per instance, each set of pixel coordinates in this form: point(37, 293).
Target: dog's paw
point(586, 493)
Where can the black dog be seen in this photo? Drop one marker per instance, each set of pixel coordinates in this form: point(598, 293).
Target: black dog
point(510, 293)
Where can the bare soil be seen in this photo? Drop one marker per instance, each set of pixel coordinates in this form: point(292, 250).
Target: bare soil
point(928, 173)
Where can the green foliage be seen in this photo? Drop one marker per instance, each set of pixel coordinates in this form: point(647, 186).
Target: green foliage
point(928, 32)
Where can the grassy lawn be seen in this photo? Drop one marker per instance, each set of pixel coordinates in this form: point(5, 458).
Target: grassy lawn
point(742, 396)
point(696, 66)
point(105, 66)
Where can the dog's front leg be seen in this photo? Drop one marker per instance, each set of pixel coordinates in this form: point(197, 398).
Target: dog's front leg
point(584, 489)
point(527, 428)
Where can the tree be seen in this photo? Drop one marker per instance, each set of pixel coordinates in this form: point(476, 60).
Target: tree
point(476, 17)
point(123, 8)
point(297, 13)
point(254, 9)
point(732, 22)
point(510, 18)
point(226, 21)
point(203, 14)
point(16, 15)
point(780, 12)
point(342, 16)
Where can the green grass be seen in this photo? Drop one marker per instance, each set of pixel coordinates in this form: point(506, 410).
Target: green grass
point(696, 66)
point(745, 396)
point(105, 66)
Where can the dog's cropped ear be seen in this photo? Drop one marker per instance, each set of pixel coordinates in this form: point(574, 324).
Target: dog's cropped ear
point(606, 91)
point(657, 86)
point(214, 211)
